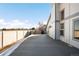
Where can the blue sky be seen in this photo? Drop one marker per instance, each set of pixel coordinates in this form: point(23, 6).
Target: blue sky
point(23, 15)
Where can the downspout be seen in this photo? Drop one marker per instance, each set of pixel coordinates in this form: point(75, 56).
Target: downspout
point(2, 38)
point(69, 23)
point(55, 20)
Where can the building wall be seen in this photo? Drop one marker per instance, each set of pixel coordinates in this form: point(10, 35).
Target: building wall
point(53, 31)
point(71, 13)
point(51, 23)
point(57, 21)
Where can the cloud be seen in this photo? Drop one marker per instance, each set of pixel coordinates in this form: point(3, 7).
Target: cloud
point(16, 23)
point(44, 22)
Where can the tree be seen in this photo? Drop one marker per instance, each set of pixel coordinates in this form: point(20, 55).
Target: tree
point(33, 28)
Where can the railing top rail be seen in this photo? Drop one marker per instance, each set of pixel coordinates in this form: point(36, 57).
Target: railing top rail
point(11, 29)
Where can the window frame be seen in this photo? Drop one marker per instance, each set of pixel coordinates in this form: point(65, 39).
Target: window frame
point(61, 29)
point(73, 28)
point(62, 12)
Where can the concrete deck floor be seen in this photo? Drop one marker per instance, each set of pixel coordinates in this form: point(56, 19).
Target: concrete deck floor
point(42, 45)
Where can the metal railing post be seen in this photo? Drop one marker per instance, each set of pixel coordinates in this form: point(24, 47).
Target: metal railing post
point(16, 35)
point(2, 38)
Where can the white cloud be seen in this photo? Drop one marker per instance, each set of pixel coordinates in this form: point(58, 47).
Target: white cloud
point(1, 20)
point(16, 23)
point(44, 22)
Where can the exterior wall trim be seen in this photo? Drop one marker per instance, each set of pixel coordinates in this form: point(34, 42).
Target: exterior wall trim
point(73, 15)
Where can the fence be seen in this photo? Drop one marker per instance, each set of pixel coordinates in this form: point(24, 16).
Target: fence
point(9, 37)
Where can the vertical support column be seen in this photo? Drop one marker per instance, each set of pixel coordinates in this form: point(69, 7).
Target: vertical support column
point(57, 21)
point(2, 38)
point(16, 35)
point(23, 33)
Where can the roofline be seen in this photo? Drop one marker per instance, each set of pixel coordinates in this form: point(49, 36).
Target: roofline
point(48, 20)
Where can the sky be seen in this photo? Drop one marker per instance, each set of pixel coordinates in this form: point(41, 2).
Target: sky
point(23, 15)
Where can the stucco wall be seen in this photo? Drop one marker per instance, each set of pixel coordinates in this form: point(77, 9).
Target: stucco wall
point(54, 32)
point(70, 15)
point(51, 24)
point(74, 8)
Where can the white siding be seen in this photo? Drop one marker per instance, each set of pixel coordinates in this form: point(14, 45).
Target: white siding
point(51, 31)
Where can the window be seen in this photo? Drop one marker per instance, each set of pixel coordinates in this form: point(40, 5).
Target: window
point(62, 14)
point(50, 26)
point(62, 24)
point(76, 29)
point(62, 29)
point(62, 32)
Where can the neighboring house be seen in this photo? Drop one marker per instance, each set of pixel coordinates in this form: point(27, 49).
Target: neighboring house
point(64, 23)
